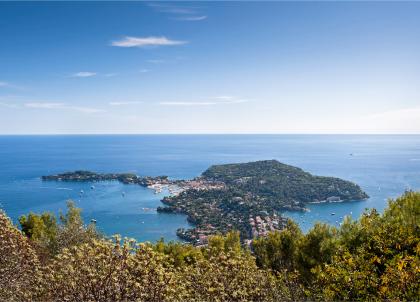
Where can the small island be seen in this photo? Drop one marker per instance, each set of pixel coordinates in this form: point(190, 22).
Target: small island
point(248, 197)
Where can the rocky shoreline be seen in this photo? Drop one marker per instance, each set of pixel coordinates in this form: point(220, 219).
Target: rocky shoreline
point(248, 197)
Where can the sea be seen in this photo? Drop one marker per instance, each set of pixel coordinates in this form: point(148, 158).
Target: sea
point(385, 166)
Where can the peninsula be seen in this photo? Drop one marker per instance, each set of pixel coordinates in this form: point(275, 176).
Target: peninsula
point(126, 178)
point(248, 197)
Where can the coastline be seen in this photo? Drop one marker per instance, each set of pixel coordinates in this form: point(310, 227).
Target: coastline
point(216, 202)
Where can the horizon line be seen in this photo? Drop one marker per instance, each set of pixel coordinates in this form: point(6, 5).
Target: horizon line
point(186, 133)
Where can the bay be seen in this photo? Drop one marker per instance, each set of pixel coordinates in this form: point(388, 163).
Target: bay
point(383, 165)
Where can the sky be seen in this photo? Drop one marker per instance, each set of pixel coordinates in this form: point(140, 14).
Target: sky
point(209, 67)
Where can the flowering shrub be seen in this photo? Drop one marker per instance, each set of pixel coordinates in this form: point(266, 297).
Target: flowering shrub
point(373, 258)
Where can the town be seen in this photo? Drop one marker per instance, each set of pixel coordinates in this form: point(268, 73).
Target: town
point(246, 197)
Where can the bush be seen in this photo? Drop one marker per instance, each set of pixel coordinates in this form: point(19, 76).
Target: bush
point(18, 264)
point(50, 237)
point(373, 258)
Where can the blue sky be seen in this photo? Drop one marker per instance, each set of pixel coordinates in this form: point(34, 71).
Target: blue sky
point(209, 67)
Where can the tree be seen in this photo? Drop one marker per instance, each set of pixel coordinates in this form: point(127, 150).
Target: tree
point(105, 271)
point(376, 257)
point(382, 260)
point(180, 254)
point(42, 231)
point(232, 277)
point(39, 227)
point(230, 243)
point(72, 230)
point(278, 251)
point(19, 265)
point(50, 237)
point(316, 248)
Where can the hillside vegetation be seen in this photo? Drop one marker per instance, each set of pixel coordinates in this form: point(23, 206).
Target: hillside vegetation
point(374, 258)
point(252, 198)
point(271, 179)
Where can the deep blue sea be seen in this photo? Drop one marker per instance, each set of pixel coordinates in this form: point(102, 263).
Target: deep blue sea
point(383, 165)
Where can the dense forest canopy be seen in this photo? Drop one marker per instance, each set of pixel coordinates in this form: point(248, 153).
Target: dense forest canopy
point(283, 183)
point(252, 198)
point(375, 258)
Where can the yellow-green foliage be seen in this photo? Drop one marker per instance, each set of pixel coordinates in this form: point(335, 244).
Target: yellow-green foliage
point(51, 237)
point(373, 258)
point(105, 271)
point(230, 277)
point(279, 250)
point(381, 259)
point(18, 264)
point(290, 250)
point(39, 227)
point(127, 271)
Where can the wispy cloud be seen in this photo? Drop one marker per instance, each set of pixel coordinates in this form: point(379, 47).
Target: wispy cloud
point(182, 13)
point(61, 106)
point(144, 70)
point(44, 105)
point(9, 101)
point(18, 103)
point(190, 18)
point(84, 109)
point(172, 9)
point(220, 100)
point(188, 103)
point(89, 74)
point(156, 61)
point(125, 103)
point(224, 97)
point(399, 120)
point(84, 74)
point(8, 105)
point(398, 114)
point(9, 85)
point(228, 99)
point(146, 42)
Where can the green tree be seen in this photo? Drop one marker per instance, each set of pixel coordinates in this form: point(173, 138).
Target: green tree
point(230, 243)
point(51, 237)
point(316, 248)
point(384, 260)
point(39, 227)
point(72, 230)
point(42, 230)
point(181, 254)
point(278, 251)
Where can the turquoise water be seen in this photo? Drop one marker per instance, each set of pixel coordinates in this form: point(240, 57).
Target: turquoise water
point(384, 166)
